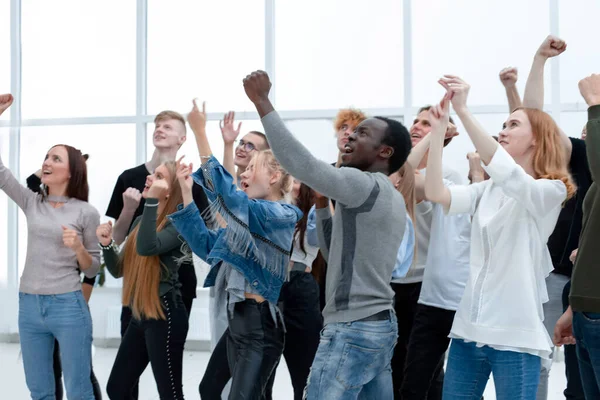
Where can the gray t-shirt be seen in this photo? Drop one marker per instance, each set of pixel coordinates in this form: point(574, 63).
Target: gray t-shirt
point(50, 266)
point(361, 240)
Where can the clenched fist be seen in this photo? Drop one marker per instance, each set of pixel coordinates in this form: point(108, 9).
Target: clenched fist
point(104, 233)
point(5, 101)
point(257, 86)
point(509, 76)
point(131, 199)
point(552, 47)
point(159, 189)
point(590, 89)
point(71, 239)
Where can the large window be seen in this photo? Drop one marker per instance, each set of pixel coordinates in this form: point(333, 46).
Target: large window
point(78, 58)
point(475, 40)
point(5, 50)
point(338, 53)
point(203, 49)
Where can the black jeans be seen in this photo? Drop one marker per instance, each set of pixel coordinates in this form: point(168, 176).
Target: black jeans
point(158, 342)
point(251, 346)
point(574, 389)
point(424, 365)
point(58, 376)
point(126, 317)
point(299, 301)
point(405, 305)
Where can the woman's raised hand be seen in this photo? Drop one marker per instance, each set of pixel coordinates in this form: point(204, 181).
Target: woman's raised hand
point(104, 233)
point(184, 175)
point(458, 90)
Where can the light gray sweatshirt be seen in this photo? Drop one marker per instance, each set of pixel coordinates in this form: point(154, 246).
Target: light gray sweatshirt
point(50, 266)
point(361, 240)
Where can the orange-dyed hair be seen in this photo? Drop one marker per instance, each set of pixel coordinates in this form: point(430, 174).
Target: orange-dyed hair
point(141, 275)
point(351, 115)
point(549, 161)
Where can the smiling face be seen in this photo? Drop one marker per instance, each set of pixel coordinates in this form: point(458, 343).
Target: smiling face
point(55, 169)
point(168, 134)
point(420, 128)
point(246, 148)
point(160, 173)
point(517, 135)
point(364, 145)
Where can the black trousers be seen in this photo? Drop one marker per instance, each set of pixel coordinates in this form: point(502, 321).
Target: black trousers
point(126, 317)
point(251, 347)
point(424, 365)
point(158, 342)
point(299, 301)
point(574, 389)
point(58, 376)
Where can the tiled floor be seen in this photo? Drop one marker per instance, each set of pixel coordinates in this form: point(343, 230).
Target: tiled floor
point(12, 379)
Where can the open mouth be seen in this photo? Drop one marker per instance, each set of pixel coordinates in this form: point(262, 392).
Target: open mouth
point(46, 172)
point(348, 149)
point(244, 185)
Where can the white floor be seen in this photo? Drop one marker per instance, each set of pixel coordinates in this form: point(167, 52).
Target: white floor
point(12, 379)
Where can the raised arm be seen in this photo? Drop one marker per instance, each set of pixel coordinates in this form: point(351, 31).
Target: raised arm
point(349, 186)
point(104, 234)
point(534, 89)
point(590, 90)
point(230, 134)
point(13, 189)
point(435, 190)
point(131, 202)
point(509, 77)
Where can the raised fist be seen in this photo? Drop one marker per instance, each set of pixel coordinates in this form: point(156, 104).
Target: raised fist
point(552, 47)
point(159, 189)
point(590, 89)
point(131, 199)
point(257, 86)
point(509, 76)
point(5, 101)
point(104, 233)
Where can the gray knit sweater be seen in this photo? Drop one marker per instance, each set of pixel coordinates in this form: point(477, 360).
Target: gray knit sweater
point(361, 240)
point(50, 266)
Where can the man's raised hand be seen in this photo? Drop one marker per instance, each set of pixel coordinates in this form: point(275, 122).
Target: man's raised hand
point(257, 86)
point(228, 131)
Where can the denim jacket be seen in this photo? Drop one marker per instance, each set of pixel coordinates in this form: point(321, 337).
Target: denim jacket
point(258, 237)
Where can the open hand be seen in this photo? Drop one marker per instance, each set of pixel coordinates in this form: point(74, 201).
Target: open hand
point(131, 199)
point(509, 76)
point(458, 91)
point(104, 233)
point(228, 131)
point(552, 46)
point(257, 86)
point(184, 175)
point(71, 239)
point(590, 89)
point(197, 118)
point(5, 101)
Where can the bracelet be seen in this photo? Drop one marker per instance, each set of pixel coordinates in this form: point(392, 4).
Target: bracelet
point(111, 245)
point(205, 157)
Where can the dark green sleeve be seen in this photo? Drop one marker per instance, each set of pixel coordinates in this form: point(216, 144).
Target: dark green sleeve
point(592, 142)
point(112, 262)
point(149, 241)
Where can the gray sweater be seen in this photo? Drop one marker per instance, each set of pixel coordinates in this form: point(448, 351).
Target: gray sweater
point(50, 266)
point(361, 241)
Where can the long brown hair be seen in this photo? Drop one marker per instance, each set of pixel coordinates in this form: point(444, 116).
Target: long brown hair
point(549, 161)
point(141, 275)
point(305, 201)
point(78, 187)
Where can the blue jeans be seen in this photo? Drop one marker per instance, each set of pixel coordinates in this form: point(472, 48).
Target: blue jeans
point(586, 328)
point(353, 361)
point(66, 317)
point(516, 375)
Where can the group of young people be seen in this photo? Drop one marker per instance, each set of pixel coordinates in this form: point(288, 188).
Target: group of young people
point(361, 273)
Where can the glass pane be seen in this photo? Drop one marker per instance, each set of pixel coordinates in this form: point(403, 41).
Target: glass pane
point(573, 122)
point(111, 149)
point(78, 58)
point(4, 151)
point(195, 50)
point(190, 150)
point(5, 56)
point(350, 52)
point(318, 135)
point(579, 27)
point(475, 40)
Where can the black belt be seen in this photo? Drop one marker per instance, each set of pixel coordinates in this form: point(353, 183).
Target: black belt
point(380, 316)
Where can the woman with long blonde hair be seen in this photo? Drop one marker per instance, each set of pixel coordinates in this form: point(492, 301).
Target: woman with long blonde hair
point(149, 262)
point(498, 326)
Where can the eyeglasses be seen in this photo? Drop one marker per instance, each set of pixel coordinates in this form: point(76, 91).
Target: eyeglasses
point(247, 146)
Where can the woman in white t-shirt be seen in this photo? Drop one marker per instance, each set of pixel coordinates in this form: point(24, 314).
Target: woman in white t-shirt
point(498, 325)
